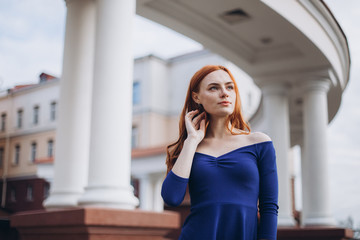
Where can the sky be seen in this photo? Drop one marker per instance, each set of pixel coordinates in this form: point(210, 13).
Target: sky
point(31, 42)
point(32, 39)
point(344, 130)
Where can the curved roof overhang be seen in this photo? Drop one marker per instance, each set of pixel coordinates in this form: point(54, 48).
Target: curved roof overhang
point(287, 41)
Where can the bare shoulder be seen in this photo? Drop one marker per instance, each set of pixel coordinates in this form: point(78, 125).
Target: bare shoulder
point(259, 137)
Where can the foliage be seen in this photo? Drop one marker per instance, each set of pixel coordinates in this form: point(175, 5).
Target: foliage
point(349, 223)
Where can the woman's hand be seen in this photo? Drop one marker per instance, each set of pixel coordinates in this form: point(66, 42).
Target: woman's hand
point(195, 126)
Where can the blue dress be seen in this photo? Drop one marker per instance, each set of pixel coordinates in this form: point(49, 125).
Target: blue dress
point(224, 193)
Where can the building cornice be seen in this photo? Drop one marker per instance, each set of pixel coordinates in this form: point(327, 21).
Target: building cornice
point(30, 88)
point(147, 152)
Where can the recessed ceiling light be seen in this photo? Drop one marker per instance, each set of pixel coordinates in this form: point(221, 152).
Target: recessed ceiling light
point(234, 16)
point(266, 40)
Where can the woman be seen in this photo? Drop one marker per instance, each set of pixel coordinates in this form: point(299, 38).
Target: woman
point(228, 169)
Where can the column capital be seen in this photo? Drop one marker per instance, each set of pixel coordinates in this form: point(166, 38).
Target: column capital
point(274, 88)
point(316, 85)
point(67, 2)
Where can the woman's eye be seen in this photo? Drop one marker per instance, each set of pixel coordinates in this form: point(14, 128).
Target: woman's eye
point(213, 88)
point(230, 87)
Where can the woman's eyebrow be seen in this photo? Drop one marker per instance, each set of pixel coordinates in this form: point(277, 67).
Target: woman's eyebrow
point(219, 84)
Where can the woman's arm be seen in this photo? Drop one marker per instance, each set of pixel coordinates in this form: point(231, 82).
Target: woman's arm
point(182, 166)
point(268, 193)
point(174, 186)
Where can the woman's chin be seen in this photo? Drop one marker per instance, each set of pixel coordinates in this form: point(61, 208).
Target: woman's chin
point(220, 114)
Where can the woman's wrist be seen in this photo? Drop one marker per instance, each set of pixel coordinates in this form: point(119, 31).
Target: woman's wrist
point(191, 140)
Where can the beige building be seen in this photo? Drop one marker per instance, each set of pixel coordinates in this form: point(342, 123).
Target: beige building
point(27, 137)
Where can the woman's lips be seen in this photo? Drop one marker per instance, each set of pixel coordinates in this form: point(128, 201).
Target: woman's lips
point(224, 103)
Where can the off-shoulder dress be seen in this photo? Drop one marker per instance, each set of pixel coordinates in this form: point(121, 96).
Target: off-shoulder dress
point(226, 193)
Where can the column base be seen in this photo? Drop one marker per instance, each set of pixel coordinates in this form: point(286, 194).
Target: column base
point(318, 221)
point(286, 221)
point(110, 197)
point(62, 200)
point(94, 224)
point(314, 233)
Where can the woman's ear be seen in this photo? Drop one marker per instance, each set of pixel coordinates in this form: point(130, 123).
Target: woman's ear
point(195, 97)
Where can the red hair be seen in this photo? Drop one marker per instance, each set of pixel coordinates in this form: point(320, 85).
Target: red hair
point(236, 119)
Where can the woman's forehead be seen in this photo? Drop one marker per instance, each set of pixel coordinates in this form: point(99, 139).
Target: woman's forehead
point(218, 76)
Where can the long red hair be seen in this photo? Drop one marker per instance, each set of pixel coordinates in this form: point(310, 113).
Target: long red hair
point(236, 119)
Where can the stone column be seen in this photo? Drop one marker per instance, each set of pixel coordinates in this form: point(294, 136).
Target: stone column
point(110, 144)
point(158, 201)
point(146, 193)
point(73, 124)
point(316, 206)
point(276, 112)
point(150, 192)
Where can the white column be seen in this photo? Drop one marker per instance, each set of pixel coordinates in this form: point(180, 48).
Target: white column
point(73, 124)
point(110, 144)
point(146, 193)
point(150, 192)
point(277, 118)
point(316, 206)
point(158, 204)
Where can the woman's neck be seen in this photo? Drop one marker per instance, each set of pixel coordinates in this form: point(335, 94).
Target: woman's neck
point(217, 128)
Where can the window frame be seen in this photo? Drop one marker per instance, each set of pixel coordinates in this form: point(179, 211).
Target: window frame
point(19, 118)
point(33, 152)
point(3, 122)
point(136, 100)
point(29, 194)
point(50, 148)
point(53, 106)
point(36, 114)
point(2, 151)
point(16, 160)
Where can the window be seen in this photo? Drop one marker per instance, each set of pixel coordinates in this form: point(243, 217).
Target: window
point(50, 148)
point(46, 189)
point(33, 152)
point(36, 115)
point(19, 118)
point(13, 195)
point(3, 122)
point(134, 136)
point(1, 157)
point(53, 111)
point(17, 155)
point(29, 193)
point(136, 93)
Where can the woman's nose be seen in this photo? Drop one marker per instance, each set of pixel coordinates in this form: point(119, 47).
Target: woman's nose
point(224, 93)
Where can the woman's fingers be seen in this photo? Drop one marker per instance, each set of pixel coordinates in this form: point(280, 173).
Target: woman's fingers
point(195, 123)
point(202, 125)
point(189, 119)
point(198, 118)
point(191, 114)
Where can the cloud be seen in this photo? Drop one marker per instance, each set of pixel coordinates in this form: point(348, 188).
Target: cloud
point(32, 33)
point(153, 38)
point(31, 40)
point(344, 131)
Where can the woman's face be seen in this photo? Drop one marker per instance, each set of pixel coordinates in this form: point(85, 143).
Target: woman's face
point(216, 94)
